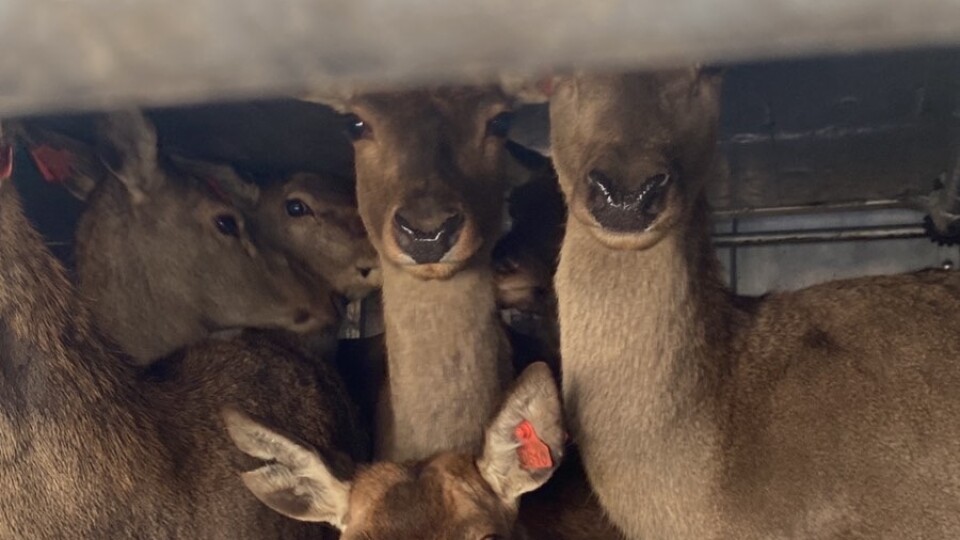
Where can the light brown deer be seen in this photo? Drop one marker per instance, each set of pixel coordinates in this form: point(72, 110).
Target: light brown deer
point(314, 219)
point(170, 250)
point(830, 412)
point(431, 177)
point(90, 449)
point(450, 496)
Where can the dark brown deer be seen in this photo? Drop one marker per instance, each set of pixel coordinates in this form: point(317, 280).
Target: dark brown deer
point(450, 496)
point(830, 412)
point(89, 449)
point(432, 173)
point(169, 250)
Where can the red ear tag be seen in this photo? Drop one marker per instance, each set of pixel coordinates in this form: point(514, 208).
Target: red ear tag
point(6, 160)
point(54, 165)
point(533, 453)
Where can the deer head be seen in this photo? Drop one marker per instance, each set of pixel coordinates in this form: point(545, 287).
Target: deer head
point(182, 229)
point(631, 149)
point(314, 218)
point(431, 174)
point(450, 496)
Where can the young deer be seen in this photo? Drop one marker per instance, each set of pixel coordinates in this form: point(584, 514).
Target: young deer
point(314, 219)
point(169, 250)
point(89, 449)
point(830, 412)
point(431, 178)
point(449, 496)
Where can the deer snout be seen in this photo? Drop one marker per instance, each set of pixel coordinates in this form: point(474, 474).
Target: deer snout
point(626, 206)
point(427, 234)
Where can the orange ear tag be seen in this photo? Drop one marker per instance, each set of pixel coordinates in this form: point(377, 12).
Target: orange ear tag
point(54, 165)
point(533, 453)
point(6, 160)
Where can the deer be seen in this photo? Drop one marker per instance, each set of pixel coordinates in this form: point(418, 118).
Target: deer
point(452, 495)
point(93, 447)
point(171, 250)
point(431, 174)
point(313, 217)
point(829, 412)
point(524, 261)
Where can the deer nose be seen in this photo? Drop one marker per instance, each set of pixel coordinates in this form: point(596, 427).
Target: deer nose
point(427, 236)
point(626, 208)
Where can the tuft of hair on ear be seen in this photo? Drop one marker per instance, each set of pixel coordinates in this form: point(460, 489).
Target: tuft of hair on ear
point(523, 445)
point(128, 148)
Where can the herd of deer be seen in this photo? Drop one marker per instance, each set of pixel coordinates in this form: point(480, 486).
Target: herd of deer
point(186, 386)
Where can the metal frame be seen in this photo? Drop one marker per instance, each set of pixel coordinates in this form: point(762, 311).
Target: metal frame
point(68, 54)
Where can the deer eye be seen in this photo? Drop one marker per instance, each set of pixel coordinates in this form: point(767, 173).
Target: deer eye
point(357, 128)
point(297, 208)
point(499, 125)
point(227, 225)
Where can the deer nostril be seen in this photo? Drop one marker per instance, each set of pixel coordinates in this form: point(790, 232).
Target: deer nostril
point(601, 181)
point(631, 205)
point(427, 241)
point(452, 225)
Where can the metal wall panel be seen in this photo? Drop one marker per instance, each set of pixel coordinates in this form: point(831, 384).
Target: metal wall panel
point(64, 54)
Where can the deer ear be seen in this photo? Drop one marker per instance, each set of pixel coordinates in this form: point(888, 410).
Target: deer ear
point(298, 483)
point(223, 180)
point(6, 157)
point(709, 79)
point(129, 150)
point(64, 160)
point(526, 164)
point(524, 443)
point(526, 89)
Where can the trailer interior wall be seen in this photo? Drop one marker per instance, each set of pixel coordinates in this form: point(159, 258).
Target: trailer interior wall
point(81, 53)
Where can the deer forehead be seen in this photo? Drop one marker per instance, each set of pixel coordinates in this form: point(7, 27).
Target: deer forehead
point(445, 492)
point(440, 109)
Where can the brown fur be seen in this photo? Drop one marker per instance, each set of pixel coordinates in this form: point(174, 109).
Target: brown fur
point(448, 359)
point(829, 412)
point(90, 450)
point(149, 227)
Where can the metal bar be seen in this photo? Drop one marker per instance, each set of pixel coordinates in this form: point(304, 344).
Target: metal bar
point(843, 206)
point(887, 232)
point(66, 54)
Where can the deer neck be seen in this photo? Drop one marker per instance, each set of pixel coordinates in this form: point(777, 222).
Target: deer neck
point(642, 339)
point(447, 362)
